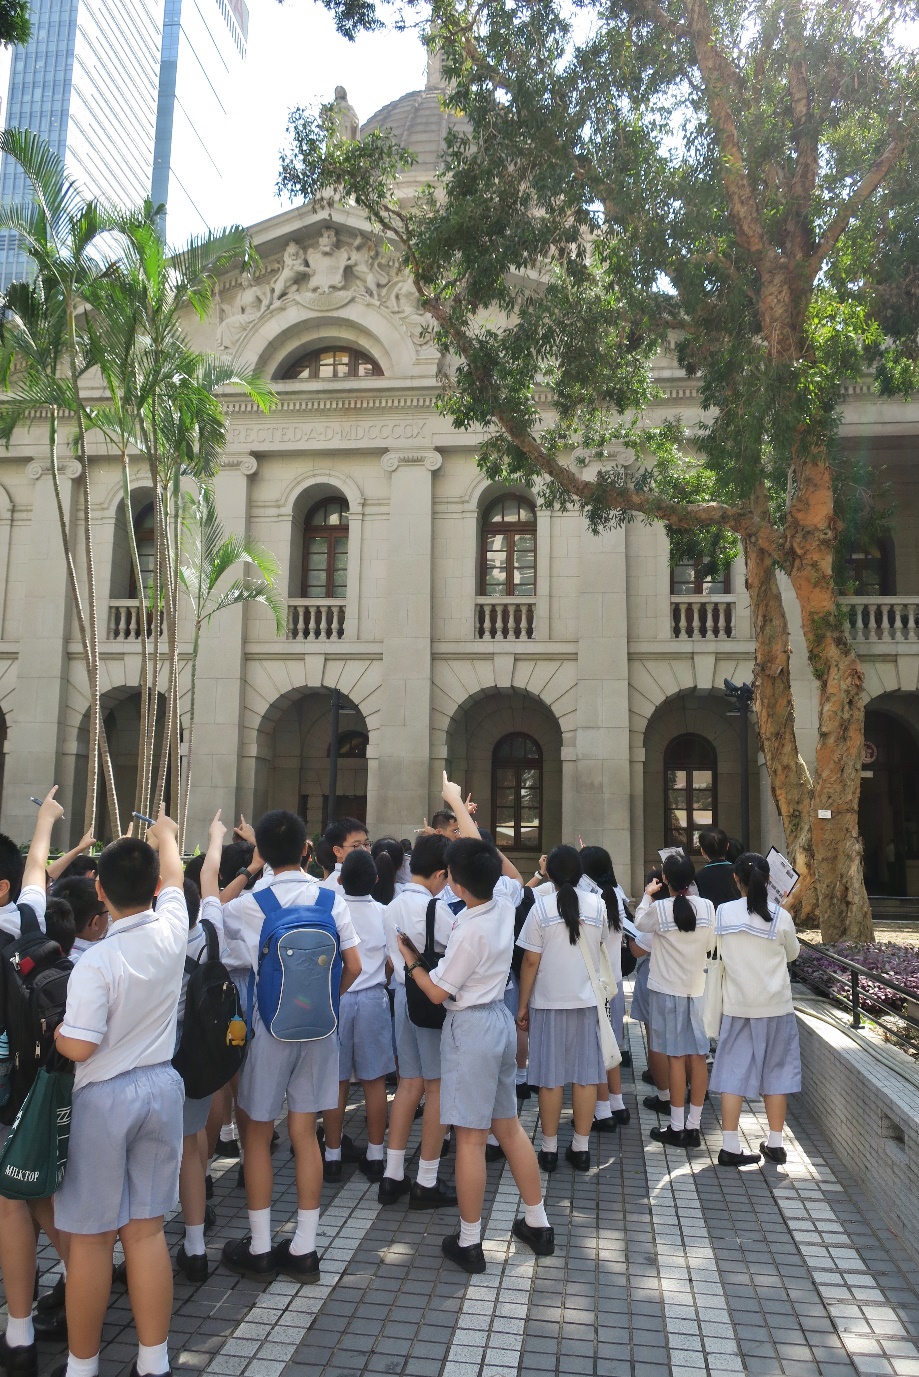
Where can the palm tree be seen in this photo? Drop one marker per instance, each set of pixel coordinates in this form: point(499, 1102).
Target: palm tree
point(209, 555)
point(42, 366)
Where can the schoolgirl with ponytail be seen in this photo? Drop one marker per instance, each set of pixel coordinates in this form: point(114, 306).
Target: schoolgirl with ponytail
point(758, 1052)
point(389, 856)
point(558, 1006)
point(681, 926)
point(600, 878)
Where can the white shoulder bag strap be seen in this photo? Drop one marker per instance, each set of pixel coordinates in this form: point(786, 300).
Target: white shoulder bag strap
point(609, 1047)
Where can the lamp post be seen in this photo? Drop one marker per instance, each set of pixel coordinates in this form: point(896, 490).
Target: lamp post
point(742, 694)
point(333, 756)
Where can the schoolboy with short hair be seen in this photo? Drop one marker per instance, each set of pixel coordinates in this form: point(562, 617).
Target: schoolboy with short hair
point(60, 925)
point(23, 881)
point(303, 1073)
point(479, 1052)
point(89, 912)
point(126, 1124)
point(343, 836)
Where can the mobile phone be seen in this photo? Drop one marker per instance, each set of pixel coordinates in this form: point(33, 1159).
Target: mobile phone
point(409, 943)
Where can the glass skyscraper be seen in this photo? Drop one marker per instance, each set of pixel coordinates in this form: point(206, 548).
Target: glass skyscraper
point(133, 95)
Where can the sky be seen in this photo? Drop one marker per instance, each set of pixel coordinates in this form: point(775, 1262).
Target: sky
point(295, 57)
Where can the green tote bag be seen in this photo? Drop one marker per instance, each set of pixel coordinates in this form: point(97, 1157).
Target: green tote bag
point(34, 1156)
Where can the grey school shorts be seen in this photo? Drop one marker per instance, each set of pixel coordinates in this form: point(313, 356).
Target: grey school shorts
point(125, 1151)
point(194, 1115)
point(365, 1035)
point(418, 1048)
point(479, 1059)
point(303, 1073)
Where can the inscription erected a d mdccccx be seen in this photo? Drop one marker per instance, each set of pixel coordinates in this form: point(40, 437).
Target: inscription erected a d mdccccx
point(329, 433)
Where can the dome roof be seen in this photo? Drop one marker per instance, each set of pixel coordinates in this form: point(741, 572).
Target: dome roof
point(419, 122)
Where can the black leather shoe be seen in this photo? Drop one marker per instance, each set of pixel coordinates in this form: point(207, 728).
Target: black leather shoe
point(120, 1275)
point(541, 1240)
point(35, 1287)
point(23, 1361)
point(303, 1268)
point(51, 1324)
point(445, 1147)
point(607, 1125)
point(547, 1160)
point(275, 1139)
point(657, 1104)
point(350, 1152)
point(372, 1170)
point(622, 1116)
point(580, 1161)
point(626, 1057)
point(392, 1191)
point(53, 1299)
point(419, 1112)
point(331, 1171)
point(471, 1258)
point(134, 1372)
point(227, 1149)
point(523, 1093)
point(777, 1155)
point(210, 1218)
point(195, 1268)
point(494, 1152)
point(238, 1257)
point(671, 1136)
point(437, 1197)
point(208, 1187)
point(647, 1077)
point(737, 1159)
point(241, 1177)
point(692, 1137)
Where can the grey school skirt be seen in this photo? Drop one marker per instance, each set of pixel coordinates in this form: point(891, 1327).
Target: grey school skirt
point(641, 1004)
point(565, 1048)
point(617, 1013)
point(757, 1056)
point(676, 1025)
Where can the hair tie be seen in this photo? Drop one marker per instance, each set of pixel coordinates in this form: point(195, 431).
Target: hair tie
point(678, 892)
point(607, 881)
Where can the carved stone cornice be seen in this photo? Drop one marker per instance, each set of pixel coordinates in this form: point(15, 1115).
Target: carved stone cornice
point(394, 458)
point(244, 463)
point(39, 468)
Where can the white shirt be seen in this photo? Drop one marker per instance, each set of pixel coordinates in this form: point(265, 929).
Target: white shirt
point(81, 945)
point(756, 983)
point(506, 888)
point(677, 958)
point(367, 918)
point(9, 913)
point(241, 919)
point(475, 965)
point(332, 881)
point(562, 981)
point(408, 914)
point(123, 994)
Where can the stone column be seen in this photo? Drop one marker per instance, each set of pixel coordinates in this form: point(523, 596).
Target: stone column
point(397, 783)
point(216, 767)
point(37, 726)
point(601, 814)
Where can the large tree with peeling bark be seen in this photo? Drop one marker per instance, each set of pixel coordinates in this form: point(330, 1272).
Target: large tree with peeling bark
point(735, 182)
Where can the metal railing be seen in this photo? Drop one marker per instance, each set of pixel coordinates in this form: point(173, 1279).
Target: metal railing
point(848, 990)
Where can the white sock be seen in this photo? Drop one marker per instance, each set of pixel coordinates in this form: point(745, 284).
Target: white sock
point(677, 1117)
point(616, 1102)
point(470, 1233)
point(664, 1095)
point(304, 1240)
point(228, 1134)
point(63, 1269)
point(549, 1144)
point(604, 1110)
point(395, 1164)
point(492, 1141)
point(730, 1141)
point(580, 1142)
point(20, 1333)
point(521, 1076)
point(194, 1240)
point(332, 1154)
point(694, 1117)
point(152, 1360)
point(535, 1215)
point(427, 1172)
point(375, 1152)
point(775, 1138)
point(83, 1367)
point(260, 1229)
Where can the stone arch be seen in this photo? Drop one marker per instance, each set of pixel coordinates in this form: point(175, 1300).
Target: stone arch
point(121, 706)
point(292, 328)
point(457, 683)
point(888, 814)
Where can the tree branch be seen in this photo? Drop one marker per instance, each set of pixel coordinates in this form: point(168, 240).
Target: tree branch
point(866, 187)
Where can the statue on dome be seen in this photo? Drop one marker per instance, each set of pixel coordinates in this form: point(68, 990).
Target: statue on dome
point(252, 302)
point(293, 272)
point(345, 121)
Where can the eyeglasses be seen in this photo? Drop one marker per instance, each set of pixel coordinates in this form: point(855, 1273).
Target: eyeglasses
point(358, 845)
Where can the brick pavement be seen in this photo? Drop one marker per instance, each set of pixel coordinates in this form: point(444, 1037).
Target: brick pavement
point(665, 1264)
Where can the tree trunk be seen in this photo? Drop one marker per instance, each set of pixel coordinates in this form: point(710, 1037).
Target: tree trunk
point(140, 801)
point(186, 781)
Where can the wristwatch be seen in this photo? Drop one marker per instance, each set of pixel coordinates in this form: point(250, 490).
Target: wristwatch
point(413, 967)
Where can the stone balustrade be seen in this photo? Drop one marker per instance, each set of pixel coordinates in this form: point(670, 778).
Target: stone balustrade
point(881, 619)
point(124, 622)
point(505, 619)
point(319, 619)
point(702, 617)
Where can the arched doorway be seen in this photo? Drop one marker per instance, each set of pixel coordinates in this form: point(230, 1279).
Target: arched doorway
point(888, 812)
point(294, 759)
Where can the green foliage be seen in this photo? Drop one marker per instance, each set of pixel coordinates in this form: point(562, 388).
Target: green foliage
point(15, 25)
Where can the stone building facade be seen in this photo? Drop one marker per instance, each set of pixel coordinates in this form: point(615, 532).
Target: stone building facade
point(572, 682)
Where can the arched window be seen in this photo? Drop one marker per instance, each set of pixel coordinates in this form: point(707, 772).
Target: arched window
point(146, 549)
point(331, 364)
point(690, 790)
point(325, 550)
point(351, 746)
point(508, 555)
point(869, 570)
point(516, 793)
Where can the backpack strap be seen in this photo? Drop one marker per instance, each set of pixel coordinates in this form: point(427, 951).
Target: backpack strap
point(28, 919)
point(430, 917)
point(267, 900)
point(213, 941)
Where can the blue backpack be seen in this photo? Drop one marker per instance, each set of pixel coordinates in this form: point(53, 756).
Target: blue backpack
point(299, 969)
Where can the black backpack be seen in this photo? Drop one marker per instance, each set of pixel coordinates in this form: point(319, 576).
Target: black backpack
point(33, 996)
point(421, 1011)
point(211, 1048)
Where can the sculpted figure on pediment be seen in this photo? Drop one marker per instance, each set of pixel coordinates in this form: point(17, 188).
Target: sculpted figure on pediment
point(368, 268)
point(405, 303)
point(328, 261)
point(251, 304)
point(294, 272)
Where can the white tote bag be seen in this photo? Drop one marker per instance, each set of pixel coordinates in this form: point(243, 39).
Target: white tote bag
point(603, 986)
point(713, 994)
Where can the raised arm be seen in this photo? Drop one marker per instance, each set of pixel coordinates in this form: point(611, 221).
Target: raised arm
point(36, 866)
point(164, 834)
point(210, 870)
point(453, 795)
point(57, 868)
